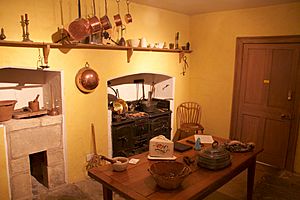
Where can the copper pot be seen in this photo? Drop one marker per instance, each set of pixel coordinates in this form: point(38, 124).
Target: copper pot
point(128, 17)
point(79, 29)
point(105, 20)
point(117, 17)
point(87, 79)
point(95, 25)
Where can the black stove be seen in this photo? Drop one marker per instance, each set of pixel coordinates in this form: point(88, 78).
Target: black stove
point(132, 131)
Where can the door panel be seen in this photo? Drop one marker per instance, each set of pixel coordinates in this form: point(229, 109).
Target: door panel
point(267, 79)
point(251, 129)
point(275, 142)
point(254, 75)
point(281, 77)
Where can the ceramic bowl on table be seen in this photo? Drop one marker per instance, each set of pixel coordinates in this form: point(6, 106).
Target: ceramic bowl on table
point(120, 164)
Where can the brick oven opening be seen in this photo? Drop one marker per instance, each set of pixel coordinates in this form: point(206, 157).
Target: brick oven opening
point(38, 167)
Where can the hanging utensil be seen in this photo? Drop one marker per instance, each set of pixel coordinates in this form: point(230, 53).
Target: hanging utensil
point(128, 17)
point(95, 25)
point(87, 79)
point(117, 17)
point(61, 35)
point(79, 29)
point(105, 20)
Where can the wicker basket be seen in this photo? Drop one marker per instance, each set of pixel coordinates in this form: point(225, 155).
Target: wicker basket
point(6, 109)
point(169, 175)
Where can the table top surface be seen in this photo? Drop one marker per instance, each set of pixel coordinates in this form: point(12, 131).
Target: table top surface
point(137, 183)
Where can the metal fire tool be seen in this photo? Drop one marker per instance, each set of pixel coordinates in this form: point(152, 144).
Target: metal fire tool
point(40, 63)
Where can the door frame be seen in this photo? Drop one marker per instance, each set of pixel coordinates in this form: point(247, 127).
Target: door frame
point(240, 42)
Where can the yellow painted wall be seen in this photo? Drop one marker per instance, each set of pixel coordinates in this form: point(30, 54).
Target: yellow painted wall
point(3, 169)
point(209, 77)
point(213, 37)
point(82, 109)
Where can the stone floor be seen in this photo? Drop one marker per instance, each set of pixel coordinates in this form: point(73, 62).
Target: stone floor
point(234, 190)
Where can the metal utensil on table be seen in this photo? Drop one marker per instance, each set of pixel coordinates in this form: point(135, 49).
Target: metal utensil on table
point(79, 29)
point(128, 17)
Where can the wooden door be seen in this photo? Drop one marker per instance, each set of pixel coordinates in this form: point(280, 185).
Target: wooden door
point(266, 109)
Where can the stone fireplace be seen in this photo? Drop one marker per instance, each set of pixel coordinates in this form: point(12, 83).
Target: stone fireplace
point(34, 144)
point(27, 140)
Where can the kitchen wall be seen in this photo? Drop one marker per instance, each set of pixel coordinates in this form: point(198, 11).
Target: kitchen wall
point(209, 79)
point(213, 39)
point(83, 109)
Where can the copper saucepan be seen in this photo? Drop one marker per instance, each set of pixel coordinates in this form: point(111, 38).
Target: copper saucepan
point(117, 17)
point(95, 25)
point(128, 17)
point(87, 79)
point(105, 20)
point(79, 29)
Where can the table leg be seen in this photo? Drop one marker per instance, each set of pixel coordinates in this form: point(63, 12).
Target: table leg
point(250, 178)
point(107, 193)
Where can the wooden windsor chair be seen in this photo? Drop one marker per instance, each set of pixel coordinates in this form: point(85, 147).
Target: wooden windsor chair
point(188, 119)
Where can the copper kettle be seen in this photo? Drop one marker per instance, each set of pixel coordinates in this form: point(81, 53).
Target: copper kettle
point(87, 79)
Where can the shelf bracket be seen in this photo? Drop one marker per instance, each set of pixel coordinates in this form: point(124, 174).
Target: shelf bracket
point(129, 54)
point(46, 51)
point(181, 55)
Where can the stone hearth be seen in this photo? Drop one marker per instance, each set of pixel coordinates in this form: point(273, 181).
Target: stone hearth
point(30, 136)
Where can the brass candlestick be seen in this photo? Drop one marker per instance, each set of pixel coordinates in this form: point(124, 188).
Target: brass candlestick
point(24, 24)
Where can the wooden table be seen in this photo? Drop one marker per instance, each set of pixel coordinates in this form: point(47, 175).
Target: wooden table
point(137, 183)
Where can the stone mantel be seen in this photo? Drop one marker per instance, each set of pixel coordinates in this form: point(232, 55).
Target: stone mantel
point(19, 124)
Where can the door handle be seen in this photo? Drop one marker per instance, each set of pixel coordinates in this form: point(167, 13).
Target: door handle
point(286, 116)
point(289, 98)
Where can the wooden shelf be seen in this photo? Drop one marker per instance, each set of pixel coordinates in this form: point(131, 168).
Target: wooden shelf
point(47, 46)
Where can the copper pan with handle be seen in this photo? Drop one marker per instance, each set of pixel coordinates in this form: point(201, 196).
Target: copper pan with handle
point(95, 25)
point(128, 17)
point(117, 17)
point(105, 20)
point(79, 29)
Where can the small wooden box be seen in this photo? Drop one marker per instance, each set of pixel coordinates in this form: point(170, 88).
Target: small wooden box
point(162, 147)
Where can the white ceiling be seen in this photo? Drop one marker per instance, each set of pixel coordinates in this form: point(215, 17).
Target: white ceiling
point(192, 7)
